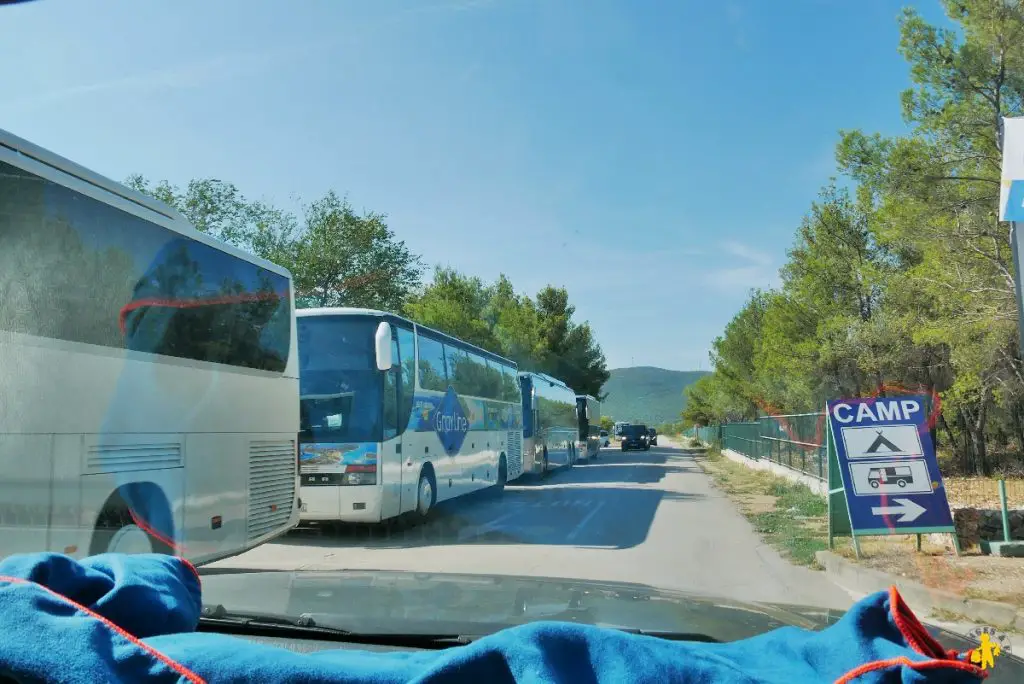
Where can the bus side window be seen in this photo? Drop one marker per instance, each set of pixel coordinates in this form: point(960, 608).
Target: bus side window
point(405, 358)
point(391, 385)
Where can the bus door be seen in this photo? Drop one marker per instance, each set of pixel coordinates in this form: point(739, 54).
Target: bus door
point(408, 461)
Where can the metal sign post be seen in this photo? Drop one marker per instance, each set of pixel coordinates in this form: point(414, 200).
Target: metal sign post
point(883, 476)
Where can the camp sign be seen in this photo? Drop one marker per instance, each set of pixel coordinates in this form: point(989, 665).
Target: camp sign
point(885, 456)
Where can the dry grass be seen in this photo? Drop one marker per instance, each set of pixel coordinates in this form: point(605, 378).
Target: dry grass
point(789, 516)
point(972, 574)
point(982, 492)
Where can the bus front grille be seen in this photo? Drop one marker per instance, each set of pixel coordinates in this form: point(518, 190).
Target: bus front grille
point(271, 487)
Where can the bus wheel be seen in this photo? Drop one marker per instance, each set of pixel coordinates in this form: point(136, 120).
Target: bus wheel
point(425, 495)
point(499, 486)
point(502, 473)
point(117, 532)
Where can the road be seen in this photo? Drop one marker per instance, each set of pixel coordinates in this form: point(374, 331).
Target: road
point(648, 517)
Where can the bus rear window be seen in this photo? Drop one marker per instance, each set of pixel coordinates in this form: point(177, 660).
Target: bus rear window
point(77, 269)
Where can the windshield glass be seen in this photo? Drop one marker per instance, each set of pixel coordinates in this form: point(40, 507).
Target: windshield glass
point(346, 288)
point(339, 383)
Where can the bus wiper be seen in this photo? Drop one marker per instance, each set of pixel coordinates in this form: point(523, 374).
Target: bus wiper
point(218, 619)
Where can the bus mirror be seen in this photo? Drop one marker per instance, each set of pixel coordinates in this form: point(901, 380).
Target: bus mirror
point(382, 343)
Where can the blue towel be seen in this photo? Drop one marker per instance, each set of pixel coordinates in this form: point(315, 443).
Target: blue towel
point(126, 618)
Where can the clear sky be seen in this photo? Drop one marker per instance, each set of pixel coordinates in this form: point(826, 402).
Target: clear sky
point(652, 156)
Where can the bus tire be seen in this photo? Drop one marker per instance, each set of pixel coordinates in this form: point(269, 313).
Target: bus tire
point(499, 486)
point(117, 530)
point(426, 493)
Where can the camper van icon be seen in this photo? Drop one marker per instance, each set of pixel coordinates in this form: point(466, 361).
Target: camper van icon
point(887, 475)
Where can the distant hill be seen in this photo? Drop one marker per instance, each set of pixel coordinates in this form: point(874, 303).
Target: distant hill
point(648, 394)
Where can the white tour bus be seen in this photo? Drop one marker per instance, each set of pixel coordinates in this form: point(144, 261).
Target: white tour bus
point(588, 410)
point(148, 374)
point(396, 417)
point(550, 423)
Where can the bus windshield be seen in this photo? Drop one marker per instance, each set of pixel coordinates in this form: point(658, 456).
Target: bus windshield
point(339, 383)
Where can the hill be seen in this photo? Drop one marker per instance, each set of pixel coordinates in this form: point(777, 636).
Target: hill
point(648, 394)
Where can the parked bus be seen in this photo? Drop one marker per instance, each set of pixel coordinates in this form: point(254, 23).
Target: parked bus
point(148, 374)
point(588, 410)
point(550, 424)
point(396, 417)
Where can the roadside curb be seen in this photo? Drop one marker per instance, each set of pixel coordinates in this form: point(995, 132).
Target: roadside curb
point(858, 579)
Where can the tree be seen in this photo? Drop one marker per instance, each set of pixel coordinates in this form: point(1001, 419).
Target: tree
point(907, 280)
point(571, 355)
point(539, 337)
point(454, 304)
point(607, 423)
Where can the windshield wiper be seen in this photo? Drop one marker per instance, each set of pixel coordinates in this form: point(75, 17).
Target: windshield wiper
point(218, 619)
point(671, 636)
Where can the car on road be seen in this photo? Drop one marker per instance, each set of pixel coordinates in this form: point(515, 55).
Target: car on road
point(652, 436)
point(635, 437)
point(604, 438)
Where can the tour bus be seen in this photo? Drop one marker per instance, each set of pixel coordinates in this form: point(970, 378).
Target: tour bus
point(148, 374)
point(588, 410)
point(397, 417)
point(550, 425)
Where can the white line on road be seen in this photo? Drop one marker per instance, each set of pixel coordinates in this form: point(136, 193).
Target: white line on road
point(583, 523)
point(491, 525)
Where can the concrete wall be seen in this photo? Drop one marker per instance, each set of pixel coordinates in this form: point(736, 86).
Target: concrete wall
point(815, 485)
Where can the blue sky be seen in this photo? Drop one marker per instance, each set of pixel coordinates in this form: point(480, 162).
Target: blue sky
point(652, 156)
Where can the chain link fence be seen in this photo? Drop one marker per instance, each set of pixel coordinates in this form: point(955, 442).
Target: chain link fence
point(795, 441)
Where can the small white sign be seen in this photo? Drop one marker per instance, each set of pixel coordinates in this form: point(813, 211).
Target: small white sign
point(882, 441)
point(1013, 166)
point(890, 477)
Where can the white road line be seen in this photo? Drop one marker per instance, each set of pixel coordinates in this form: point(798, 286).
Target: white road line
point(583, 523)
point(491, 525)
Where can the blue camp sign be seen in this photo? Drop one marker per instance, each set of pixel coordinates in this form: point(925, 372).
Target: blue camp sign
point(887, 462)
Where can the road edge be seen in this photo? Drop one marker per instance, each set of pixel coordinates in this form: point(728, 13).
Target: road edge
point(861, 580)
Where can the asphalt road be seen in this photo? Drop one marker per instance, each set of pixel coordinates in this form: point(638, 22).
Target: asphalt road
point(647, 517)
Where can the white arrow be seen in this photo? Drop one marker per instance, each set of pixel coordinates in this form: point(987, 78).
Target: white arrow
point(908, 510)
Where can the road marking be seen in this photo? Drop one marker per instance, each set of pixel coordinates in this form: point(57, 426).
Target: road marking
point(583, 523)
point(489, 526)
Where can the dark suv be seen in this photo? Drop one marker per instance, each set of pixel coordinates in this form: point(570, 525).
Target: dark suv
point(635, 437)
point(652, 436)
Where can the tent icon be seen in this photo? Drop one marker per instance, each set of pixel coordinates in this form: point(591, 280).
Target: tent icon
point(880, 442)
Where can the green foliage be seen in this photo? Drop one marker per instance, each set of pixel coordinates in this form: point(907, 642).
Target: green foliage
point(607, 422)
point(906, 280)
point(540, 336)
point(647, 394)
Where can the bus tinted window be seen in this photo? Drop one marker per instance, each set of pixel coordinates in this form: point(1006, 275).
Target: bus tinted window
point(468, 372)
point(77, 269)
point(340, 386)
point(406, 387)
point(432, 371)
point(510, 384)
point(492, 388)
